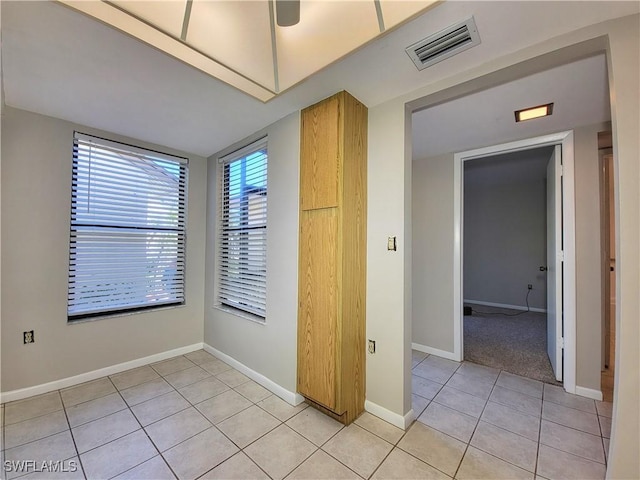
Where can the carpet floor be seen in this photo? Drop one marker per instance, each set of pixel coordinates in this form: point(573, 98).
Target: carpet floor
point(517, 344)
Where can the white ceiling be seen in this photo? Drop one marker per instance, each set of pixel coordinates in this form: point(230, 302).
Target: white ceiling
point(579, 91)
point(58, 62)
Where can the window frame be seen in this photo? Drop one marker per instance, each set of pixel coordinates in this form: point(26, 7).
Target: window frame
point(252, 311)
point(129, 228)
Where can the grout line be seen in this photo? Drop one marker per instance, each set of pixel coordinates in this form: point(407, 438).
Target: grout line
point(73, 439)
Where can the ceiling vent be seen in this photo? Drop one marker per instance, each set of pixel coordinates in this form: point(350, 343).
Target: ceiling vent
point(444, 44)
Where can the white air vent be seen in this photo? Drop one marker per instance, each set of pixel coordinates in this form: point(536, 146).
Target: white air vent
point(444, 44)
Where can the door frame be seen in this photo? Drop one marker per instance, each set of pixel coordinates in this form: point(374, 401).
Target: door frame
point(565, 139)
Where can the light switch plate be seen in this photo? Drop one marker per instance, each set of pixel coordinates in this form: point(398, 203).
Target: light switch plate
point(391, 244)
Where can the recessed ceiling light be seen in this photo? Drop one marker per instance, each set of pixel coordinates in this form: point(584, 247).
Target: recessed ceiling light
point(534, 112)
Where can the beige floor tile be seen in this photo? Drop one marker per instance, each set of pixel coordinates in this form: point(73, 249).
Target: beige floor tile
point(488, 374)
point(477, 464)
point(519, 401)
point(177, 428)
point(418, 404)
point(134, 377)
point(223, 406)
point(279, 408)
point(87, 391)
point(95, 409)
point(605, 444)
point(146, 391)
point(154, 469)
point(379, 427)
point(200, 356)
point(554, 464)
point(555, 394)
point(56, 447)
point(605, 409)
point(572, 441)
point(199, 454)
point(433, 447)
point(98, 432)
point(358, 449)
point(203, 390)
point(460, 401)
point(441, 363)
point(252, 391)
point(476, 386)
point(118, 456)
point(512, 448)
point(517, 422)
point(186, 377)
point(215, 367)
point(315, 426)
point(321, 466)
point(570, 417)
point(238, 467)
point(247, 426)
point(452, 422)
point(159, 407)
point(35, 429)
point(528, 386)
point(172, 365)
point(417, 357)
point(28, 408)
point(280, 451)
point(431, 372)
point(424, 388)
point(399, 465)
point(605, 427)
point(68, 470)
point(232, 377)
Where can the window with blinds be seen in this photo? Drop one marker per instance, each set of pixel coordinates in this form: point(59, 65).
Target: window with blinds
point(128, 228)
point(242, 242)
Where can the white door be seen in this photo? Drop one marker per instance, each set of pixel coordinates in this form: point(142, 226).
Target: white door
point(554, 261)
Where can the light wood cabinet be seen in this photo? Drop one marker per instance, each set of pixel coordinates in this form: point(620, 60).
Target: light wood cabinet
point(332, 256)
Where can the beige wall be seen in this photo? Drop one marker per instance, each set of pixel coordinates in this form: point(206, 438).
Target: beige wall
point(432, 218)
point(36, 193)
point(620, 39)
point(269, 349)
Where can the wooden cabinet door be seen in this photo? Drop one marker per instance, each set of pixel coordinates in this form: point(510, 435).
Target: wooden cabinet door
point(318, 306)
point(320, 152)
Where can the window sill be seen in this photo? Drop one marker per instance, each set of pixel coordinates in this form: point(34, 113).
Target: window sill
point(239, 313)
point(122, 314)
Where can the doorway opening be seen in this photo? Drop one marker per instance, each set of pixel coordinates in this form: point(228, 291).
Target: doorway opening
point(505, 262)
point(560, 248)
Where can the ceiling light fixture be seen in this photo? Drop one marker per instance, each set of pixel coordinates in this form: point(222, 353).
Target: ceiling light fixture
point(534, 112)
point(287, 12)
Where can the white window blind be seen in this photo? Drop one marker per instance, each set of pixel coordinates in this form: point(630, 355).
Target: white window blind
point(242, 242)
point(128, 228)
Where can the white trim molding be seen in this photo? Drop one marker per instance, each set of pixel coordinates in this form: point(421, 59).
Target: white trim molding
point(21, 393)
point(505, 305)
point(568, 206)
point(394, 419)
point(286, 395)
point(589, 393)
point(434, 351)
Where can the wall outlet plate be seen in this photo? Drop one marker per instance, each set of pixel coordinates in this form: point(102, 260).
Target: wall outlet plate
point(372, 346)
point(28, 337)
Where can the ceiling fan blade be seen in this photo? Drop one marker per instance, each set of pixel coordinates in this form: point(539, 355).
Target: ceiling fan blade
point(287, 12)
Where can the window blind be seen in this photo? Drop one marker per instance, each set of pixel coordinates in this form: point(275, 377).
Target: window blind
point(242, 242)
point(128, 228)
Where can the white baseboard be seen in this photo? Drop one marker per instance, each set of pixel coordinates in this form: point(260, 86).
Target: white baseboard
point(505, 305)
point(434, 351)
point(589, 393)
point(394, 419)
point(21, 393)
point(288, 396)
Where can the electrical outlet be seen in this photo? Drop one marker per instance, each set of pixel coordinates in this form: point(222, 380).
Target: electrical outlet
point(372, 346)
point(530, 287)
point(28, 337)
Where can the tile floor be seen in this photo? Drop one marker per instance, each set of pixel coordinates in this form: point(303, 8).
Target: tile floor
point(194, 416)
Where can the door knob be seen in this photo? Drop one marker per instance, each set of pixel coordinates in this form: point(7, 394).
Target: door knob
point(543, 268)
